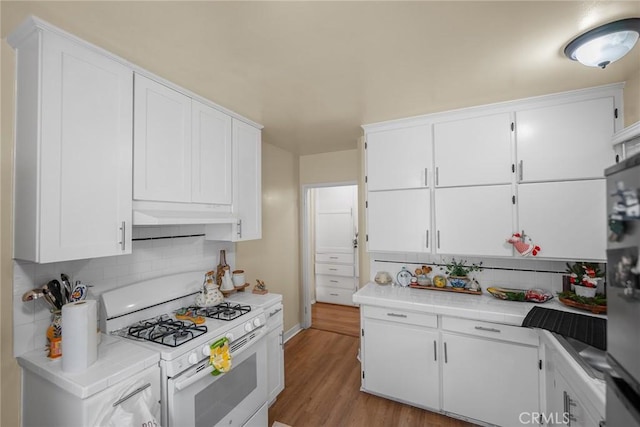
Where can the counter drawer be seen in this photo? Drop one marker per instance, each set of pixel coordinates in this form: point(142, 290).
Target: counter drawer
point(496, 331)
point(334, 296)
point(336, 282)
point(336, 258)
point(335, 269)
point(400, 316)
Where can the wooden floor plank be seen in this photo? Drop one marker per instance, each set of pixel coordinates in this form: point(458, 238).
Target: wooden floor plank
point(341, 319)
point(322, 388)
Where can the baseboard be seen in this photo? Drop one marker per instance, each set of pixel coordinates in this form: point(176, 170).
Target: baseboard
point(291, 332)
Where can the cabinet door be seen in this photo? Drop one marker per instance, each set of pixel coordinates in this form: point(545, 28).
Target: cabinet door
point(475, 151)
point(162, 143)
point(275, 360)
point(399, 221)
point(489, 380)
point(85, 155)
point(566, 219)
point(210, 156)
point(336, 218)
point(399, 158)
point(400, 361)
point(247, 182)
point(567, 141)
point(474, 220)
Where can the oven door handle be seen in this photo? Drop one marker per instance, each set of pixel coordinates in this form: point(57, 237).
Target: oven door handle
point(182, 384)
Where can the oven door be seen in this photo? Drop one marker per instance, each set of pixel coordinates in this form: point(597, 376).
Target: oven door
point(197, 398)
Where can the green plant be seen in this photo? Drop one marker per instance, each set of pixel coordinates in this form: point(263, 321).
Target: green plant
point(460, 268)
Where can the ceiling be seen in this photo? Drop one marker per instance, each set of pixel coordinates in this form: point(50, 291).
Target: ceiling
point(313, 72)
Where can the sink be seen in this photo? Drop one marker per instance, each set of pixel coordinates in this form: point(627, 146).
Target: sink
point(592, 360)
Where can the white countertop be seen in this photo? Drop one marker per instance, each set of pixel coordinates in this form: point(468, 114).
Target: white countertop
point(117, 360)
point(478, 307)
point(250, 298)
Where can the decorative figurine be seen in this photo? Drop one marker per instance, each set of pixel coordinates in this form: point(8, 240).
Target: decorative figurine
point(260, 287)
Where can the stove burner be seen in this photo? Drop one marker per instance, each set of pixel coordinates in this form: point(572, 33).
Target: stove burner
point(223, 311)
point(165, 330)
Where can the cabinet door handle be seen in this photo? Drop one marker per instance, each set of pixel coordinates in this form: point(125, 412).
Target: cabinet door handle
point(397, 315)
point(482, 328)
point(435, 351)
point(427, 238)
point(133, 393)
point(437, 176)
point(520, 173)
point(239, 229)
point(426, 182)
point(445, 353)
point(123, 231)
point(438, 239)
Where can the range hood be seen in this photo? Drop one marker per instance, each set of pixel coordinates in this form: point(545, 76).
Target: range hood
point(169, 217)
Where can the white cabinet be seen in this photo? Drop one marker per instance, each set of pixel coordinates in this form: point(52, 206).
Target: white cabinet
point(336, 219)
point(474, 220)
point(275, 351)
point(399, 221)
point(491, 374)
point(162, 143)
point(473, 151)
point(400, 356)
point(73, 149)
point(566, 219)
point(211, 162)
point(182, 147)
point(399, 158)
point(335, 278)
point(247, 181)
point(567, 141)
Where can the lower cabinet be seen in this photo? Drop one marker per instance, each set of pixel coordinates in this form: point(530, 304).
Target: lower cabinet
point(488, 380)
point(400, 357)
point(275, 351)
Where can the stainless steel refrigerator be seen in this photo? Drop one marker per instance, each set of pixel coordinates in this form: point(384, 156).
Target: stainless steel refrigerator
point(623, 294)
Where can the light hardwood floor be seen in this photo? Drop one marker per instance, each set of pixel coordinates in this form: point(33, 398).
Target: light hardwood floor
point(322, 384)
point(341, 319)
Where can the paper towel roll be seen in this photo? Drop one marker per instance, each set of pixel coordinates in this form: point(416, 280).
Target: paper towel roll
point(79, 337)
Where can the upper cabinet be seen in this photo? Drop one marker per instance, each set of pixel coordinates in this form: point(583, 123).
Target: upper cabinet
point(566, 141)
point(399, 158)
point(247, 181)
point(162, 143)
point(473, 151)
point(73, 149)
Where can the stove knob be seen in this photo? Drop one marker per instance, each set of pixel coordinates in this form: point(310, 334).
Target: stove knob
point(248, 327)
point(257, 322)
point(193, 358)
point(229, 336)
point(206, 350)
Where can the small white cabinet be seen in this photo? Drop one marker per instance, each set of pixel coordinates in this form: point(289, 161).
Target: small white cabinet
point(399, 158)
point(162, 143)
point(400, 356)
point(560, 216)
point(275, 351)
point(73, 148)
point(473, 151)
point(247, 181)
point(474, 220)
point(567, 141)
point(399, 221)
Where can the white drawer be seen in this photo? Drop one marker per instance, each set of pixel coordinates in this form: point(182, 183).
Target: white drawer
point(274, 316)
point(334, 296)
point(335, 258)
point(496, 331)
point(336, 282)
point(408, 317)
point(335, 269)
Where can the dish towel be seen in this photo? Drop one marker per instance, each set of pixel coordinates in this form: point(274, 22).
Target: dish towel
point(588, 329)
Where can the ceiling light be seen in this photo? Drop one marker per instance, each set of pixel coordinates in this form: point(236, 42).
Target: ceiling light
point(605, 44)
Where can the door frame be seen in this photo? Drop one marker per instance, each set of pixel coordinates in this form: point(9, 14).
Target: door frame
point(305, 192)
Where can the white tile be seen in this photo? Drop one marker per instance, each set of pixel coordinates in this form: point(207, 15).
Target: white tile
point(23, 277)
point(23, 338)
point(23, 312)
point(41, 310)
point(40, 334)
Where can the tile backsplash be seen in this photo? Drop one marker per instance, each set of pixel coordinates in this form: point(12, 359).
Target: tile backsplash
point(157, 251)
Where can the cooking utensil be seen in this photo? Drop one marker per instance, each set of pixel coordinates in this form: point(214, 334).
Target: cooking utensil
point(47, 297)
point(56, 290)
point(32, 294)
point(67, 287)
point(79, 292)
point(51, 298)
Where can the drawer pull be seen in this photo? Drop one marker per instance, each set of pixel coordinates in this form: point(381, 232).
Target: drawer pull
point(333, 257)
point(276, 311)
point(435, 351)
point(482, 328)
point(445, 352)
point(397, 315)
point(333, 281)
point(334, 295)
point(333, 269)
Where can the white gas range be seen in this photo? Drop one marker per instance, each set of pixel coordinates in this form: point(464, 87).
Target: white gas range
point(191, 395)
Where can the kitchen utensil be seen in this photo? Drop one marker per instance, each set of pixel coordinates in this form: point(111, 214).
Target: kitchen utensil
point(404, 277)
point(51, 298)
point(56, 290)
point(79, 292)
point(50, 301)
point(67, 286)
point(32, 294)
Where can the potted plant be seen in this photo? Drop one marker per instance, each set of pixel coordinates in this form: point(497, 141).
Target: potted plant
point(458, 272)
point(585, 277)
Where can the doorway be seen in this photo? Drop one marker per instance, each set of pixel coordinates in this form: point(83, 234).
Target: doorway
point(330, 256)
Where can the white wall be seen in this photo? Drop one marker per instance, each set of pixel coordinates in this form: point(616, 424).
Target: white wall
point(149, 258)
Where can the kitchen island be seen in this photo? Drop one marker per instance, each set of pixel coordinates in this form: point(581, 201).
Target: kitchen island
point(466, 356)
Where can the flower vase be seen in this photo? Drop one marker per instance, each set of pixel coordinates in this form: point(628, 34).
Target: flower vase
point(459, 282)
point(584, 291)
